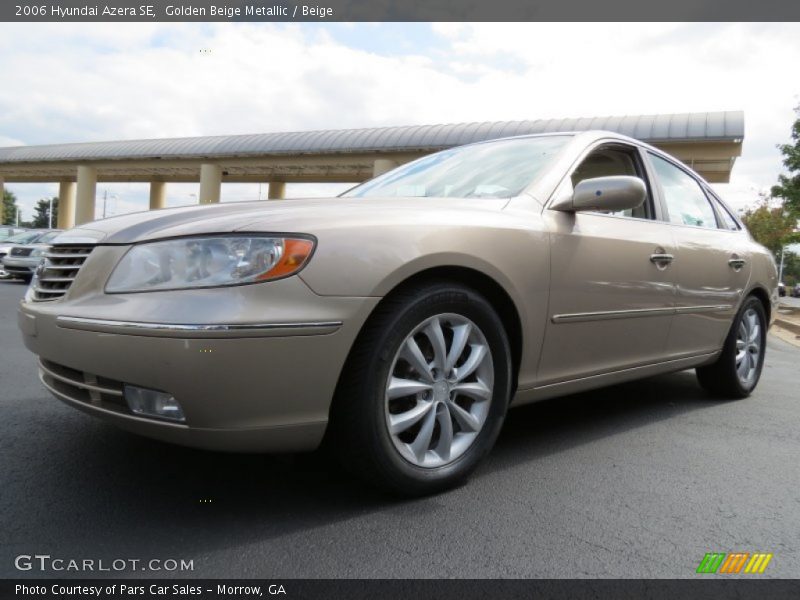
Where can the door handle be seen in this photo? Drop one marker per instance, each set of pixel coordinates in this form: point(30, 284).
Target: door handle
point(736, 263)
point(661, 258)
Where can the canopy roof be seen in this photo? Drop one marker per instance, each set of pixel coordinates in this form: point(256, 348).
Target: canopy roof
point(709, 142)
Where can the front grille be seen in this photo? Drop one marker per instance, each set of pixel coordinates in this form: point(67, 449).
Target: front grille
point(21, 251)
point(83, 387)
point(61, 266)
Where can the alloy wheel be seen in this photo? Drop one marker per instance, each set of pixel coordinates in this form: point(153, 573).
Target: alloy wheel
point(748, 347)
point(439, 390)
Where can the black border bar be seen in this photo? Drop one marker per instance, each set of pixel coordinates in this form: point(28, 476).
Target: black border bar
point(740, 587)
point(398, 10)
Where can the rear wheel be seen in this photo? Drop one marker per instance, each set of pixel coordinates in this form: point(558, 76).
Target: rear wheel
point(736, 372)
point(425, 391)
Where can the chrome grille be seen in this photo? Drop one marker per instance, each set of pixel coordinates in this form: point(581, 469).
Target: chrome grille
point(61, 266)
point(17, 251)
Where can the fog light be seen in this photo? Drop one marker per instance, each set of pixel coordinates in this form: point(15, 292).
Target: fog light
point(151, 403)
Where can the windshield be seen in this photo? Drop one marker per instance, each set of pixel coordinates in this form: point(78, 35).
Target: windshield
point(500, 169)
point(24, 237)
point(47, 237)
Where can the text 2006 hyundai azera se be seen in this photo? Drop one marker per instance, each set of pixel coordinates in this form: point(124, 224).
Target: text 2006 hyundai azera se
point(401, 320)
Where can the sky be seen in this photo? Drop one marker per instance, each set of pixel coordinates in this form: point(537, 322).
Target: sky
point(90, 82)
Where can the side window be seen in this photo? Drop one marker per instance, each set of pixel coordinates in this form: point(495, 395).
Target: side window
point(686, 202)
point(608, 162)
point(727, 218)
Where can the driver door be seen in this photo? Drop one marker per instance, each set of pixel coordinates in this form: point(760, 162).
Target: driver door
point(611, 291)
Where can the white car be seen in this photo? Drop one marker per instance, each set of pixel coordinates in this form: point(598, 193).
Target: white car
point(21, 261)
point(30, 236)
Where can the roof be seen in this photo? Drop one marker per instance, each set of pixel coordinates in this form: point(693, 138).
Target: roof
point(654, 129)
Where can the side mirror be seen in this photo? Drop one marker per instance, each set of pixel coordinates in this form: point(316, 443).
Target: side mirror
point(605, 193)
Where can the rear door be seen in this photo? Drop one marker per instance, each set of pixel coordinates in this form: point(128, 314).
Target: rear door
point(611, 292)
point(712, 263)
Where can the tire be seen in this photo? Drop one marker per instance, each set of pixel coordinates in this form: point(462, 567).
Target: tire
point(368, 402)
point(724, 378)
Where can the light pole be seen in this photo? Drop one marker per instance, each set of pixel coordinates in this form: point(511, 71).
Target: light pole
point(105, 201)
point(780, 269)
point(50, 215)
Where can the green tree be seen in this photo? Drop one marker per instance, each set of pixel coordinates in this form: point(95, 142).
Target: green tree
point(771, 226)
point(9, 208)
point(41, 216)
point(791, 269)
point(788, 188)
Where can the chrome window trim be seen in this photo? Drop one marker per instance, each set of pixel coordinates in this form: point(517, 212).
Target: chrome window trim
point(722, 229)
point(610, 216)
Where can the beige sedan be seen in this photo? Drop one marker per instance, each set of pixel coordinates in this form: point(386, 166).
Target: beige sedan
point(400, 321)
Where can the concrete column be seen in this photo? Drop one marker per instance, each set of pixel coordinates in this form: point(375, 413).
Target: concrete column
point(86, 194)
point(2, 195)
point(382, 165)
point(158, 194)
point(277, 190)
point(66, 204)
point(210, 183)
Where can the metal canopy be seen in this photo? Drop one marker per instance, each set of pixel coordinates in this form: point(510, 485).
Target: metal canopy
point(709, 142)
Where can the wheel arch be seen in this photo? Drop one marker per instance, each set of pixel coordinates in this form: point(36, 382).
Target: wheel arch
point(487, 286)
point(764, 297)
point(500, 299)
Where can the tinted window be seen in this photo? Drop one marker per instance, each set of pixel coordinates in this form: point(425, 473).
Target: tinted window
point(686, 202)
point(500, 169)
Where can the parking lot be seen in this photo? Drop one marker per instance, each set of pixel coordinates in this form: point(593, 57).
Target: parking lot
point(791, 301)
point(638, 480)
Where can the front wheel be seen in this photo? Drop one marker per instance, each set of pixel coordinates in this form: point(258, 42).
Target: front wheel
point(425, 390)
point(738, 368)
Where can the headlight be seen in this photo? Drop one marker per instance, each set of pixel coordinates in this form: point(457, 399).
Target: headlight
point(208, 262)
point(39, 252)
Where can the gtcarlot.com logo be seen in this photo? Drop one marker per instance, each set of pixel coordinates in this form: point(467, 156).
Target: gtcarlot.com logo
point(45, 562)
point(734, 563)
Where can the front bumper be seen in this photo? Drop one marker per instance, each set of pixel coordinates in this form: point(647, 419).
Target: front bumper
point(253, 367)
point(20, 265)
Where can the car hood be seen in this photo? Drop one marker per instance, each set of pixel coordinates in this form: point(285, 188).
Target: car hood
point(34, 245)
point(273, 216)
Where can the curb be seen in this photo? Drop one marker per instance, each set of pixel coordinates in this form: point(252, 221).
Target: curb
point(792, 326)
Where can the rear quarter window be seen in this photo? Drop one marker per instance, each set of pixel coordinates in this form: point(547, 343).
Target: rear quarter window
point(728, 220)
